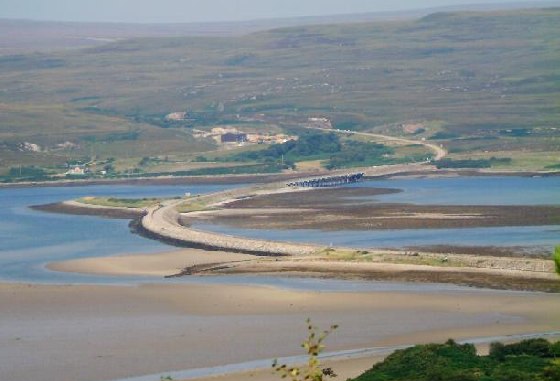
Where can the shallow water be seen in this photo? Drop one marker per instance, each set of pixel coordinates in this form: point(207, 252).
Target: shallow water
point(30, 239)
point(539, 238)
point(436, 191)
point(495, 190)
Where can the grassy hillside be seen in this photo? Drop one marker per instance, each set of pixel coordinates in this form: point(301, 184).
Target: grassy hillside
point(481, 83)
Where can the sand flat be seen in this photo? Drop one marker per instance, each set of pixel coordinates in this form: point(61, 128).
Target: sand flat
point(157, 265)
point(94, 333)
point(344, 369)
point(492, 272)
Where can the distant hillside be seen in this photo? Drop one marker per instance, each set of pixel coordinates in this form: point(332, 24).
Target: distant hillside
point(481, 83)
point(21, 36)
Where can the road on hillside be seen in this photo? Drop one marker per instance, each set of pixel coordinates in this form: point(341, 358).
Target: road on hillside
point(440, 152)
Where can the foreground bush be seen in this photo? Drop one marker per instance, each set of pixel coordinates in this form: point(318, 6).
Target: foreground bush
point(313, 346)
point(529, 360)
point(556, 257)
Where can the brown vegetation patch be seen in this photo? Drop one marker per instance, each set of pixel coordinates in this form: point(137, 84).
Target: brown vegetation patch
point(330, 215)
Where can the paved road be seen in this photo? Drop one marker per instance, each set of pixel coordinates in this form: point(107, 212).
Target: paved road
point(163, 220)
point(440, 152)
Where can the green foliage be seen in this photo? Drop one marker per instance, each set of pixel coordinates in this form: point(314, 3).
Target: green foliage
point(119, 202)
point(318, 145)
point(310, 146)
point(27, 172)
point(444, 135)
point(449, 163)
point(532, 347)
point(354, 153)
point(109, 168)
point(117, 136)
point(144, 161)
point(516, 132)
point(348, 121)
point(529, 360)
point(238, 170)
point(555, 350)
point(556, 258)
point(467, 163)
point(313, 346)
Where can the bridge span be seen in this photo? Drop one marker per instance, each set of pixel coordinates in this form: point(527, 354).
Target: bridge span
point(328, 181)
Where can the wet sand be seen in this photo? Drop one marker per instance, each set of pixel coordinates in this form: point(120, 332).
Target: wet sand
point(107, 332)
point(498, 279)
point(156, 265)
point(344, 369)
point(492, 272)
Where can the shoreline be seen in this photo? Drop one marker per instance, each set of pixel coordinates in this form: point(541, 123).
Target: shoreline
point(269, 177)
point(165, 180)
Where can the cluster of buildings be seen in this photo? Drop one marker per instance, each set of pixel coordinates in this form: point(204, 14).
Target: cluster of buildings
point(176, 116)
point(231, 135)
point(319, 122)
point(77, 170)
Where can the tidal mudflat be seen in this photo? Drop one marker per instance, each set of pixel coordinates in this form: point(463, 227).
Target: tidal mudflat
point(114, 332)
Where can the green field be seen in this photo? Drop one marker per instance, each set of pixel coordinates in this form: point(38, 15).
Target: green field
point(481, 84)
point(120, 202)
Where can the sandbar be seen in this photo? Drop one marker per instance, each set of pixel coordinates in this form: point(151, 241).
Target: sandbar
point(493, 272)
point(156, 265)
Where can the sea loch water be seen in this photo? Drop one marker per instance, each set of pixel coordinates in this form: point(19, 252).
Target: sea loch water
point(29, 239)
point(437, 191)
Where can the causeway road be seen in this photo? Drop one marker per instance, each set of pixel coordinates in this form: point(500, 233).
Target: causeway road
point(164, 221)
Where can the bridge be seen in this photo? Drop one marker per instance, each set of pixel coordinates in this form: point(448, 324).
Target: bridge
point(328, 181)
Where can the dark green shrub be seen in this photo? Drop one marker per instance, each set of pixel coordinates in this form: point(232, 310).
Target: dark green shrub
point(531, 347)
point(556, 257)
point(529, 360)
